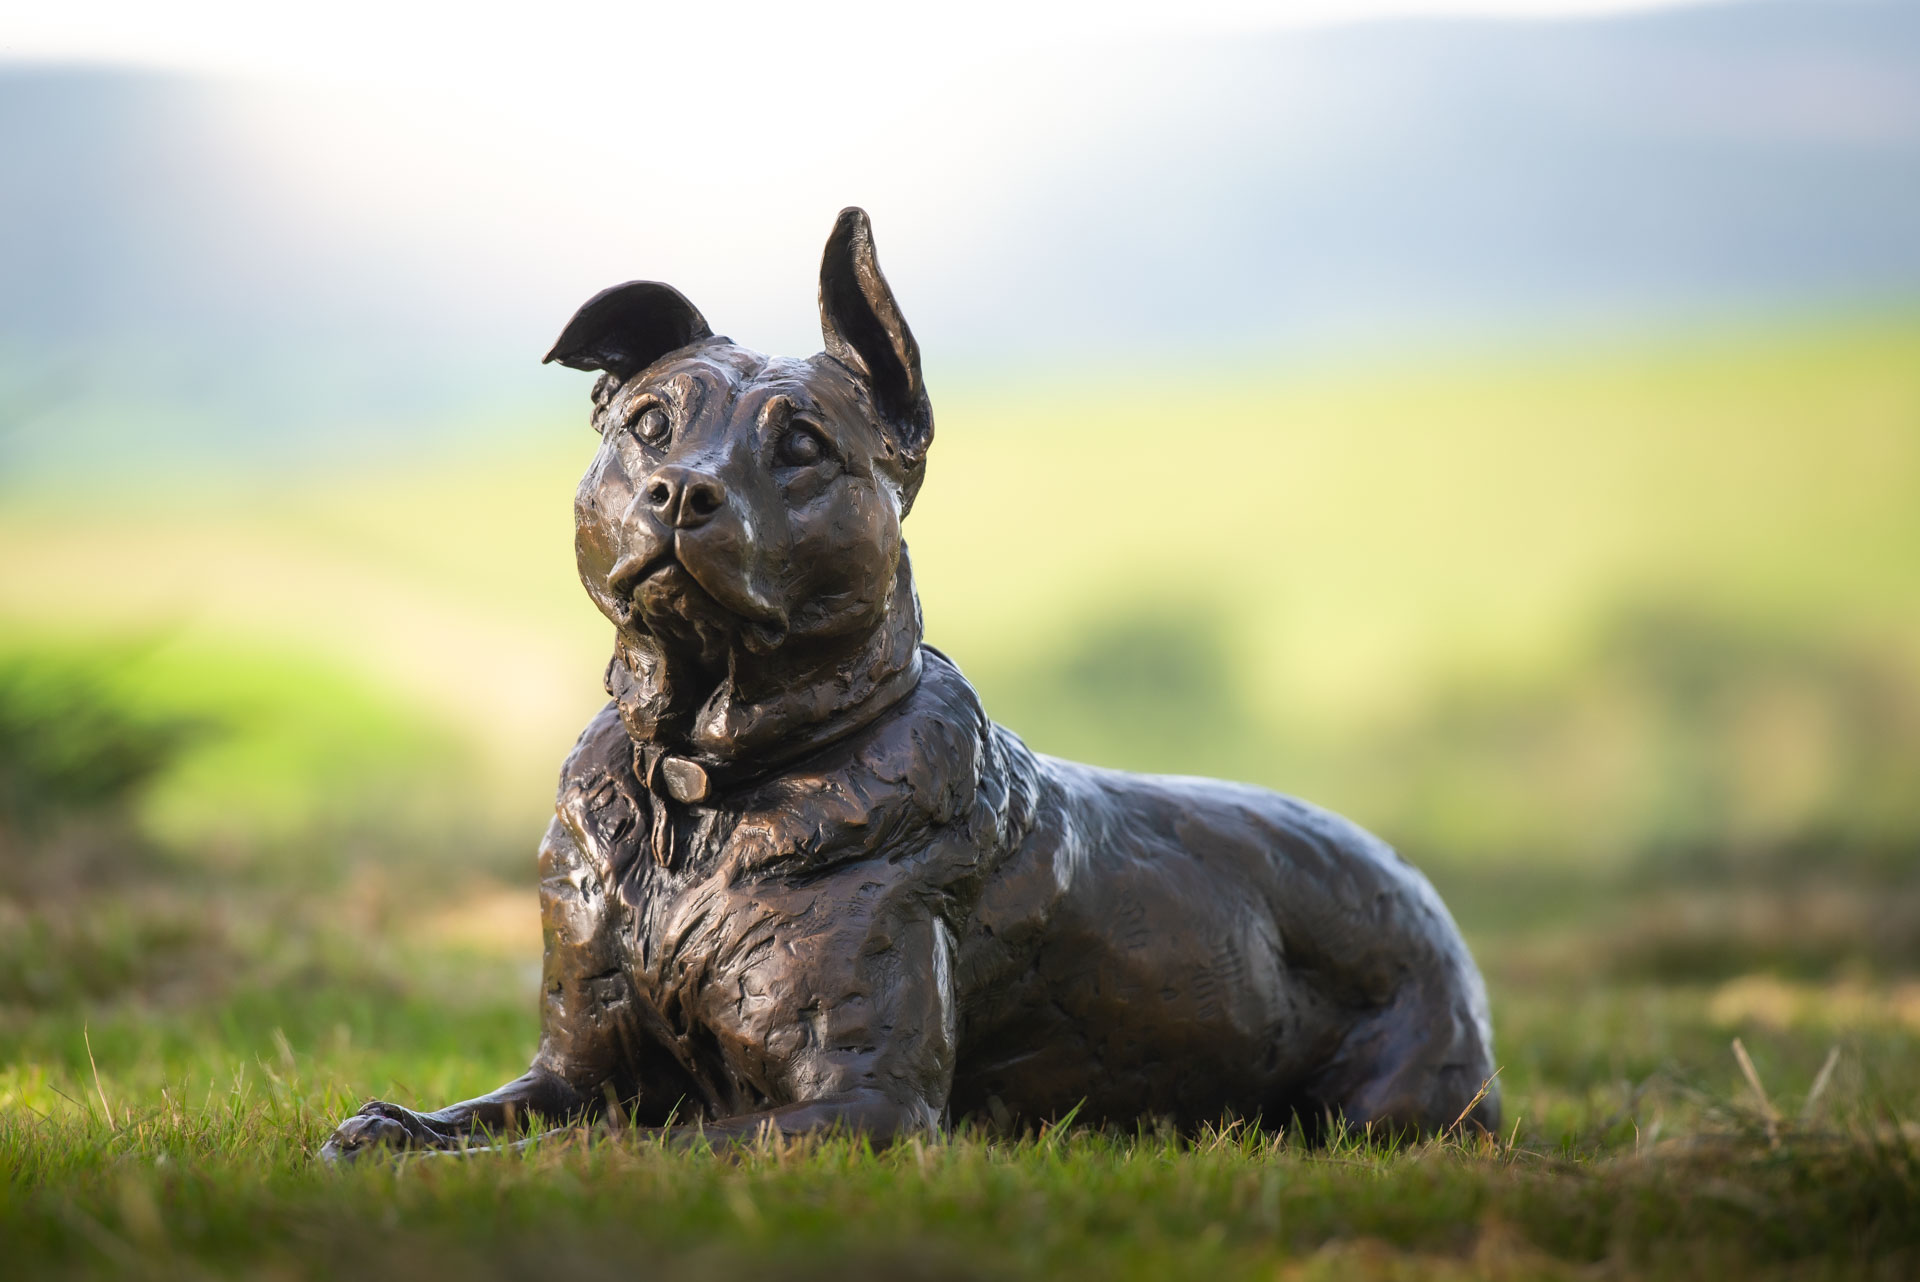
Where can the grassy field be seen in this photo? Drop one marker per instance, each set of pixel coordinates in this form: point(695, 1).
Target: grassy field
point(175, 1057)
point(1623, 646)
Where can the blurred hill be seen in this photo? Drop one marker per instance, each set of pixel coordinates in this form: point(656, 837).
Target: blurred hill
point(1657, 600)
point(196, 271)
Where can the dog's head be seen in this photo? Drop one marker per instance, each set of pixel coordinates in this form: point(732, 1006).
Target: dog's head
point(741, 522)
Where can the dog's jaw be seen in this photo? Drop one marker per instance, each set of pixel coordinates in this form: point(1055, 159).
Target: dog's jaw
point(769, 706)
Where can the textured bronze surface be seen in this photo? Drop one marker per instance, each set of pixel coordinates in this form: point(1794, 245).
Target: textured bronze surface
point(797, 879)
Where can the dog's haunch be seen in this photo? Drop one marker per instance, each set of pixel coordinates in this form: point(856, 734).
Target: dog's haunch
point(797, 880)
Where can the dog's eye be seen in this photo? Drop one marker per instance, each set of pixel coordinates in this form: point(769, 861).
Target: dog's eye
point(652, 426)
point(801, 447)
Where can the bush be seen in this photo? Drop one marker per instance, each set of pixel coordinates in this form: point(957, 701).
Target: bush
point(70, 749)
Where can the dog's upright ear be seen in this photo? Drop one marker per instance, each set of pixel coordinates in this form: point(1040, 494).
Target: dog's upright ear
point(627, 328)
point(866, 332)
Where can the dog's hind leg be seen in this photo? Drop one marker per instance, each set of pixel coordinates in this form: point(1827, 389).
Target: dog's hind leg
point(1420, 1066)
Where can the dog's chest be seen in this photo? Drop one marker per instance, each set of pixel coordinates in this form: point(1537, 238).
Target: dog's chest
point(757, 941)
point(746, 974)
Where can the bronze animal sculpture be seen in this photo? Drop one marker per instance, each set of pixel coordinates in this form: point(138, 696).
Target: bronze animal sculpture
point(796, 879)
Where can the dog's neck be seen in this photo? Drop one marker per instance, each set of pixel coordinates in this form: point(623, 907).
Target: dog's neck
point(769, 709)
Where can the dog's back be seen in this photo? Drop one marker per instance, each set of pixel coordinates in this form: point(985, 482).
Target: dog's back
point(1210, 948)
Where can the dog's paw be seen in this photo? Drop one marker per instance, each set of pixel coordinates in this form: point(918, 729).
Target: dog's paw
point(379, 1125)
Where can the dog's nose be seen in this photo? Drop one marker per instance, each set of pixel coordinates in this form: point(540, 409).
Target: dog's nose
point(683, 497)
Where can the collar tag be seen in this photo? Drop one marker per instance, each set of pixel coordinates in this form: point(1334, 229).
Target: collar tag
point(686, 780)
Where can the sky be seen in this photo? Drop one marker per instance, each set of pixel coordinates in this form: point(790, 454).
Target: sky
point(489, 127)
point(401, 41)
point(398, 204)
point(384, 92)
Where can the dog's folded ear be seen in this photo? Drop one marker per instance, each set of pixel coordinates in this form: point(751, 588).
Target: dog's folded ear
point(627, 328)
point(866, 332)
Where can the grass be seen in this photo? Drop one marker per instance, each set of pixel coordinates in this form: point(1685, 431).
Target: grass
point(176, 1052)
point(167, 1193)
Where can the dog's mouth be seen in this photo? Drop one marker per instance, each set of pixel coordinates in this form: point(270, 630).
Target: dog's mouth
point(667, 583)
point(631, 572)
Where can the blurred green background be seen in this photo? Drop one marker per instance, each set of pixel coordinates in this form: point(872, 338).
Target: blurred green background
point(1639, 603)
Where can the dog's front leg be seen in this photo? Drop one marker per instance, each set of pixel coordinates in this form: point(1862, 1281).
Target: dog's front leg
point(867, 1114)
point(856, 1010)
point(588, 1033)
point(538, 1093)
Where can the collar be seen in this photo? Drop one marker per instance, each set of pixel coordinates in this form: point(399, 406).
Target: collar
point(730, 739)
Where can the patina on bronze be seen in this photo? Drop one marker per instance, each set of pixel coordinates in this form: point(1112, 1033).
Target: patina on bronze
point(796, 879)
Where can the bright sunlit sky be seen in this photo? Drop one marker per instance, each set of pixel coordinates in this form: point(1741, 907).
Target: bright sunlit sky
point(540, 47)
point(425, 191)
point(487, 129)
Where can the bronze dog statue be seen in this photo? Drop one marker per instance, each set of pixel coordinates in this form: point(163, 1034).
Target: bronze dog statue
point(797, 880)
